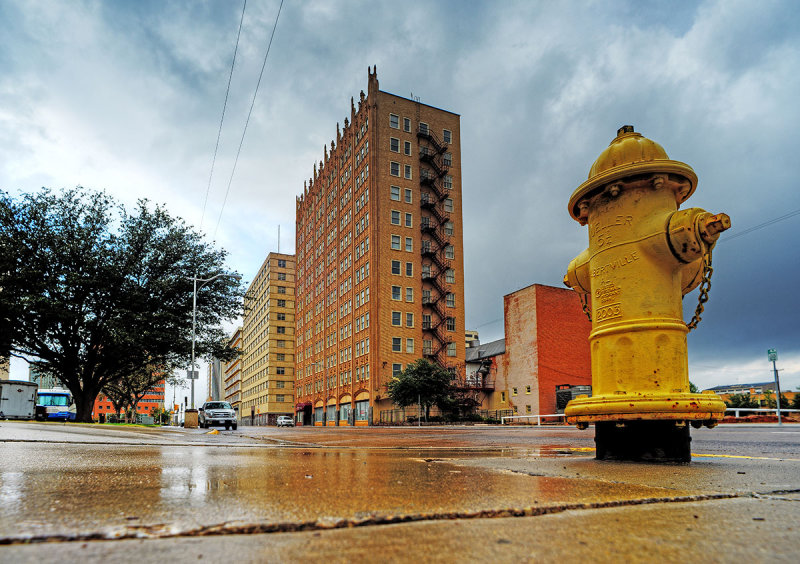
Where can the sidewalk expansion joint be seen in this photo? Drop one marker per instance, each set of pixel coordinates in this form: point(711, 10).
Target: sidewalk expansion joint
point(163, 531)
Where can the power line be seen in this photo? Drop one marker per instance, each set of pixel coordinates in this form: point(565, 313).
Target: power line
point(761, 225)
point(247, 121)
point(222, 119)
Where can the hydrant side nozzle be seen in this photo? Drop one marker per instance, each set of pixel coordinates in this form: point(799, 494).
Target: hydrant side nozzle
point(711, 226)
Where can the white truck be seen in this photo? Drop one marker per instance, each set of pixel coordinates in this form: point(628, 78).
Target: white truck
point(17, 399)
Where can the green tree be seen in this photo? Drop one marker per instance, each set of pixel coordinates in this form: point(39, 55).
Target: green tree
point(126, 392)
point(769, 396)
point(796, 400)
point(422, 381)
point(741, 400)
point(693, 389)
point(92, 293)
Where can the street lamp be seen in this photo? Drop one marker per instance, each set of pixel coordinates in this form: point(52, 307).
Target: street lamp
point(204, 281)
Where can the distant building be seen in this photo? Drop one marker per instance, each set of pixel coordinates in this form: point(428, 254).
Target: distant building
point(153, 400)
point(471, 338)
point(546, 346)
point(757, 391)
point(268, 343)
point(233, 373)
point(380, 277)
point(216, 385)
point(45, 381)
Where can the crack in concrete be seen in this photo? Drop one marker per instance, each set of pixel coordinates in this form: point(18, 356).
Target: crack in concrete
point(163, 531)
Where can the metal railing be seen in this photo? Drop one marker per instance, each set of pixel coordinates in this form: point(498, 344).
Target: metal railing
point(773, 410)
point(537, 417)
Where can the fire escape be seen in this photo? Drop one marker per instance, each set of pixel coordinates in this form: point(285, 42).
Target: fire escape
point(435, 240)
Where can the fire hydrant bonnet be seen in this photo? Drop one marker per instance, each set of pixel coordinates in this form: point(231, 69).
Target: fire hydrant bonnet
point(629, 154)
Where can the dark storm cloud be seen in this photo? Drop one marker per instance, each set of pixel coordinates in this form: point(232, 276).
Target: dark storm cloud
point(127, 96)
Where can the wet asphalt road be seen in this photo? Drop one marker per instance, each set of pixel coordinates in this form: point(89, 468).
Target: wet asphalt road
point(506, 494)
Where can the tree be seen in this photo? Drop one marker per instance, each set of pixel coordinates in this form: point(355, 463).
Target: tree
point(422, 381)
point(741, 400)
point(769, 396)
point(126, 392)
point(693, 389)
point(91, 293)
point(796, 400)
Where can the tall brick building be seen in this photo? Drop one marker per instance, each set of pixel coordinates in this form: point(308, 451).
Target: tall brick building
point(380, 277)
point(267, 379)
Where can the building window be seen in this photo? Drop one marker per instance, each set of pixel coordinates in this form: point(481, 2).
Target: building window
point(409, 269)
point(280, 398)
point(448, 228)
point(409, 320)
point(408, 197)
point(410, 346)
point(451, 349)
point(409, 244)
point(447, 159)
point(409, 220)
point(527, 389)
point(281, 289)
point(448, 182)
point(394, 193)
point(397, 344)
point(396, 370)
point(395, 242)
point(280, 357)
point(406, 125)
point(394, 168)
point(280, 370)
point(394, 145)
point(527, 409)
point(423, 128)
point(450, 276)
point(447, 136)
point(281, 317)
point(395, 267)
point(409, 294)
point(503, 397)
point(407, 148)
point(449, 252)
point(396, 293)
point(281, 344)
point(407, 172)
point(450, 300)
point(394, 121)
point(396, 317)
point(281, 330)
point(395, 217)
point(513, 391)
point(280, 384)
point(451, 323)
point(448, 204)
point(281, 263)
point(281, 276)
point(281, 303)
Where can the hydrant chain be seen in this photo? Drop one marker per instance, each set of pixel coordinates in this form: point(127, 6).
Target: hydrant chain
point(705, 286)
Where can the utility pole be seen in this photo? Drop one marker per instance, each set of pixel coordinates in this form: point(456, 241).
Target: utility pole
point(772, 354)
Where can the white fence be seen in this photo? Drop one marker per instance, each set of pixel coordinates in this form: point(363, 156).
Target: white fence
point(735, 410)
point(774, 410)
point(537, 417)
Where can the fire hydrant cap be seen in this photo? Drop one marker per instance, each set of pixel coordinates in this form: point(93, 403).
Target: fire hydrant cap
point(629, 154)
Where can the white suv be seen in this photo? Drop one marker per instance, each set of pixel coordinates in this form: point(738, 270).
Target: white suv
point(217, 413)
point(285, 421)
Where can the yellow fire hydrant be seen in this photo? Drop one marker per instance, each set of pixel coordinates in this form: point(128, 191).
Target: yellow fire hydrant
point(644, 255)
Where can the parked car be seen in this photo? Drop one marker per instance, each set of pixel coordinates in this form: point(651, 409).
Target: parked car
point(217, 413)
point(285, 421)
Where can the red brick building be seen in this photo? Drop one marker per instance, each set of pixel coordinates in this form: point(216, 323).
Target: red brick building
point(152, 400)
point(546, 345)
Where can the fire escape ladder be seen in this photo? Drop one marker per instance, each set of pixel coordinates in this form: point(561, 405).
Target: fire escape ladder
point(424, 132)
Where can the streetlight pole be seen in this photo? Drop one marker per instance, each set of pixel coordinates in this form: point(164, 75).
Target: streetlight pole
point(204, 281)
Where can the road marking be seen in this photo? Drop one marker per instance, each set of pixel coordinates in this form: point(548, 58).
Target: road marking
point(701, 455)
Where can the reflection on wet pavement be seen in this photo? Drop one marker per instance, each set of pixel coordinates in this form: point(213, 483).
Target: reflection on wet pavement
point(109, 489)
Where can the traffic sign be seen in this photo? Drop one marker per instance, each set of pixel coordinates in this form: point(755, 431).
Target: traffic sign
point(772, 355)
point(192, 374)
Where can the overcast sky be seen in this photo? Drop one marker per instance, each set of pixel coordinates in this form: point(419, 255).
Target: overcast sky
point(126, 96)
